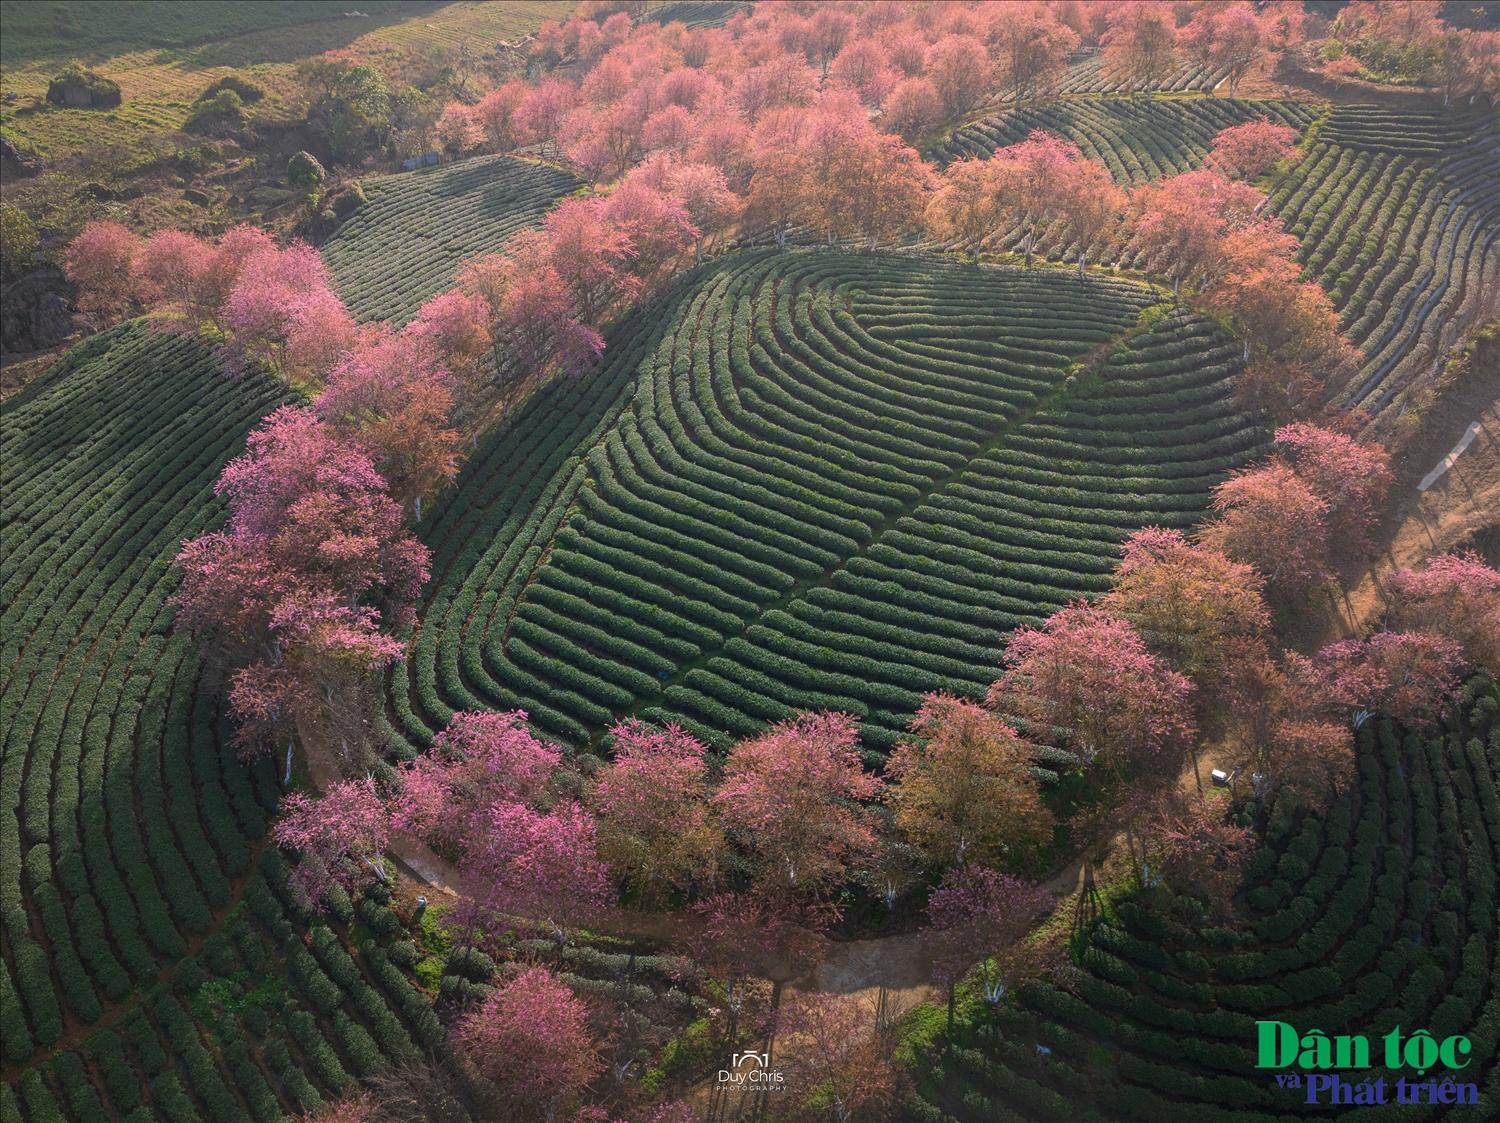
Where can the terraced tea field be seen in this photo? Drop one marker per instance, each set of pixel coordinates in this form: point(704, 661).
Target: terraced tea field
point(148, 938)
point(1138, 139)
point(1381, 912)
point(1399, 212)
point(816, 480)
point(406, 242)
point(1399, 215)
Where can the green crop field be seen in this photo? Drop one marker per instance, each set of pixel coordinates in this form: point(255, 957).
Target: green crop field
point(38, 29)
point(151, 948)
point(1139, 139)
point(405, 243)
point(816, 480)
point(1398, 212)
point(1379, 913)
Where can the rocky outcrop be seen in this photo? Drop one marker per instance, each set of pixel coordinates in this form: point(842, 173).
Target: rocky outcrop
point(36, 311)
point(16, 162)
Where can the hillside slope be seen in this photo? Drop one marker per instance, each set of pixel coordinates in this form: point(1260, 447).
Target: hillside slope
point(815, 480)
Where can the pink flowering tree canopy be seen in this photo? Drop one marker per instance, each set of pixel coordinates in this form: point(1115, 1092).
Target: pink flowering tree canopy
point(1456, 596)
point(1269, 518)
point(340, 837)
point(480, 758)
point(1089, 676)
point(100, 263)
point(1246, 151)
point(530, 1040)
point(1410, 676)
point(790, 798)
point(656, 829)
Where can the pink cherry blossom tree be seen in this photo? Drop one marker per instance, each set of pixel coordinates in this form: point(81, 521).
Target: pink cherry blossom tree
point(478, 759)
point(656, 829)
point(287, 593)
point(789, 798)
point(340, 837)
point(978, 914)
point(173, 274)
point(530, 1040)
point(1246, 151)
point(1269, 518)
point(1352, 478)
point(1088, 675)
point(1456, 596)
point(392, 394)
point(283, 313)
point(1410, 676)
point(99, 263)
point(912, 108)
point(534, 865)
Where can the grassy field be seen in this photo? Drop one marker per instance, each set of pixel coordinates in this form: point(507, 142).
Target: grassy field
point(64, 29)
point(159, 83)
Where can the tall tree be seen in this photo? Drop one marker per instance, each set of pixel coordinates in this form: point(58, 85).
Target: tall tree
point(99, 263)
point(1091, 208)
point(981, 915)
point(391, 393)
point(1277, 735)
point(1139, 42)
point(283, 314)
point(1246, 151)
point(911, 108)
point(841, 1063)
point(297, 591)
point(1031, 47)
point(1199, 851)
point(1452, 595)
point(173, 273)
point(1231, 38)
point(962, 790)
point(1191, 604)
point(530, 1040)
point(789, 799)
point(1410, 676)
point(1026, 180)
point(1270, 519)
point(477, 760)
point(1182, 221)
point(656, 830)
point(958, 66)
point(1350, 477)
point(1088, 675)
point(965, 208)
point(340, 837)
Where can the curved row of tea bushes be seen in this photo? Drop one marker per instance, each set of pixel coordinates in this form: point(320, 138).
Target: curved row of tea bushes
point(129, 828)
point(827, 480)
point(1399, 214)
point(1380, 912)
point(404, 244)
point(1138, 139)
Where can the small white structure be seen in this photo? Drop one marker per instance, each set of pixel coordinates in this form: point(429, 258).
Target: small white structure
point(1219, 777)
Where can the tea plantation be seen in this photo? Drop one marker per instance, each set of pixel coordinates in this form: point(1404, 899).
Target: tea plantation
point(814, 479)
point(155, 967)
point(1398, 211)
point(1379, 913)
point(404, 244)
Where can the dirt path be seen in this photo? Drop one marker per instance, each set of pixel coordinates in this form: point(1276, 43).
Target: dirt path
point(1464, 503)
